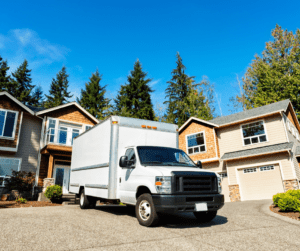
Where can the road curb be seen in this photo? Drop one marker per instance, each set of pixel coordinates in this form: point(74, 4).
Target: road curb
point(265, 209)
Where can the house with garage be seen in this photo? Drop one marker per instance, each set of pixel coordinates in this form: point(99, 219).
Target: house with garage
point(256, 152)
point(39, 140)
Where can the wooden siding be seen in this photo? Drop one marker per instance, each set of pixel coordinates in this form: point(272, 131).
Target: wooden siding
point(43, 169)
point(7, 103)
point(230, 138)
point(72, 114)
point(289, 115)
point(215, 166)
point(283, 158)
point(195, 127)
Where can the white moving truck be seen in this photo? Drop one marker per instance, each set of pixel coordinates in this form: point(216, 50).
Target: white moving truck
point(137, 162)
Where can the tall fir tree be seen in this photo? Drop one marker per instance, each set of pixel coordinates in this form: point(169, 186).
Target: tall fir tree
point(4, 77)
point(58, 90)
point(185, 98)
point(20, 86)
point(93, 97)
point(37, 99)
point(275, 75)
point(134, 99)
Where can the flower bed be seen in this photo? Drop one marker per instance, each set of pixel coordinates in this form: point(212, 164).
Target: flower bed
point(13, 204)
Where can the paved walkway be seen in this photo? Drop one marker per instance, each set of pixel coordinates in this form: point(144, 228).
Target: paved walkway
point(238, 226)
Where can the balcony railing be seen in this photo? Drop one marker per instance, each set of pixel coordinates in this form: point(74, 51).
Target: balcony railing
point(62, 136)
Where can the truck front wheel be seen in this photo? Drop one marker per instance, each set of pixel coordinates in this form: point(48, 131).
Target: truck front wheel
point(145, 211)
point(205, 217)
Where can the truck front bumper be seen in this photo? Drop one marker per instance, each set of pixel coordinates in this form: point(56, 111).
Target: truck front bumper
point(186, 203)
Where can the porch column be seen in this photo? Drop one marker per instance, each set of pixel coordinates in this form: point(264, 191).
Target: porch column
point(50, 166)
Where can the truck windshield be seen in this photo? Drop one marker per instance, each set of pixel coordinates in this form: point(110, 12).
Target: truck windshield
point(152, 155)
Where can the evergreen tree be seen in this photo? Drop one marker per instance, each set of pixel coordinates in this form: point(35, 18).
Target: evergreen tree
point(134, 98)
point(92, 98)
point(58, 90)
point(4, 78)
point(275, 75)
point(37, 97)
point(20, 87)
point(185, 98)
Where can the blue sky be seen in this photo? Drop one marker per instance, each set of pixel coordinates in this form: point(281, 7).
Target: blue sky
point(217, 39)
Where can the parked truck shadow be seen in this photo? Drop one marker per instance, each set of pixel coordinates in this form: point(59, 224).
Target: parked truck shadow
point(181, 220)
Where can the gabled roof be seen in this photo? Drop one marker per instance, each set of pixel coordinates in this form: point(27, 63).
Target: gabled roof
point(258, 151)
point(66, 105)
point(252, 113)
point(199, 120)
point(17, 102)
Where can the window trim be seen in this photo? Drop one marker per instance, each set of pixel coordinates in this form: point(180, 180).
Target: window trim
point(187, 148)
point(15, 124)
point(265, 129)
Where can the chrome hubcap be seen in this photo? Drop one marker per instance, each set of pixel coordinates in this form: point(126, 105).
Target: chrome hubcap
point(144, 210)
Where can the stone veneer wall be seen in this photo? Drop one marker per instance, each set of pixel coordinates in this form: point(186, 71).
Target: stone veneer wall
point(234, 193)
point(290, 185)
point(48, 182)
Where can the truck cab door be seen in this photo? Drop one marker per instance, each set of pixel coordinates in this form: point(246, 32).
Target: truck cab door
point(127, 187)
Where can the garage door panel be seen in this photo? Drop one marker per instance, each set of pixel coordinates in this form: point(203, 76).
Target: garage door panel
point(260, 184)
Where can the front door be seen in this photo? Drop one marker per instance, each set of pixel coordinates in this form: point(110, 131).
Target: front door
point(62, 177)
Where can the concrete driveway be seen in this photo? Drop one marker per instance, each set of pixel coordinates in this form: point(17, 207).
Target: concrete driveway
point(238, 226)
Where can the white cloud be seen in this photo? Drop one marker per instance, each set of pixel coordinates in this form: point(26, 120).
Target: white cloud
point(154, 82)
point(23, 44)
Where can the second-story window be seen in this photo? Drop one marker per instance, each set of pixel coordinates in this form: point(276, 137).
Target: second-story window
point(8, 121)
point(254, 133)
point(196, 143)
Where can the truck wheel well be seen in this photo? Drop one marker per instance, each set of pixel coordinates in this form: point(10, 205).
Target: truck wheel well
point(141, 190)
point(80, 188)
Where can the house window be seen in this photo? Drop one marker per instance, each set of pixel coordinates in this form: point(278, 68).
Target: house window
point(88, 127)
point(289, 126)
point(8, 121)
point(7, 165)
point(293, 131)
point(266, 168)
point(254, 133)
point(196, 143)
point(250, 170)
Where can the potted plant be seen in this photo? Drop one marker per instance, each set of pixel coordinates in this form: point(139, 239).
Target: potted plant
point(54, 193)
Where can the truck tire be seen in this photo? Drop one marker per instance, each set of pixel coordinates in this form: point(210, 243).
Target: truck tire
point(83, 200)
point(145, 211)
point(205, 217)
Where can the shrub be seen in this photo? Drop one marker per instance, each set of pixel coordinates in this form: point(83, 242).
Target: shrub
point(21, 200)
point(21, 181)
point(54, 192)
point(277, 197)
point(289, 203)
point(294, 193)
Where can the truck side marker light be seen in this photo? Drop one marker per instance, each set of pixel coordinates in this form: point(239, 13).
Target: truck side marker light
point(115, 122)
point(158, 183)
point(149, 127)
point(143, 126)
point(154, 127)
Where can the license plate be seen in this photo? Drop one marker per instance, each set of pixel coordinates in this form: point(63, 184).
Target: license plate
point(201, 207)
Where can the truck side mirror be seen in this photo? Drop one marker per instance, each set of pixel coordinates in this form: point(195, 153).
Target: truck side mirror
point(123, 161)
point(199, 164)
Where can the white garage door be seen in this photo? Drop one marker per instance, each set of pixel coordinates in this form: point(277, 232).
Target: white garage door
point(258, 183)
point(225, 187)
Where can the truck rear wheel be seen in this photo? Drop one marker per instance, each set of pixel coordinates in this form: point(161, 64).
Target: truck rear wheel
point(145, 211)
point(83, 200)
point(205, 217)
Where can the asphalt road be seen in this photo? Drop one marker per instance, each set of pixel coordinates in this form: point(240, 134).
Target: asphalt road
point(238, 226)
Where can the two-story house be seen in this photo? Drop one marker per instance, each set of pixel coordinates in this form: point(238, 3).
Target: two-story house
point(39, 140)
point(256, 152)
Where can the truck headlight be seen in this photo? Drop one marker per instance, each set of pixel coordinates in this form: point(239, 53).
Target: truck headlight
point(219, 185)
point(163, 184)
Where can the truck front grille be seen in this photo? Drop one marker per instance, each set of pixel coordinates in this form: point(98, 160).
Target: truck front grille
point(195, 182)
